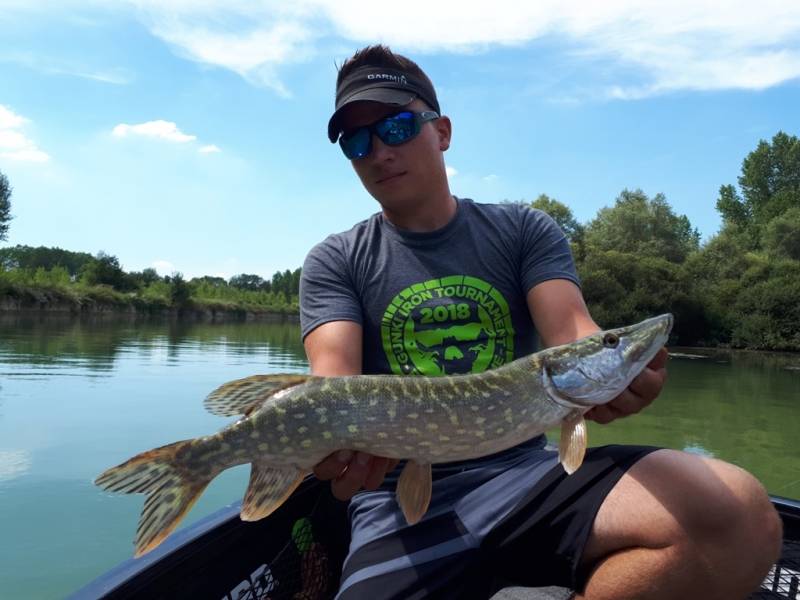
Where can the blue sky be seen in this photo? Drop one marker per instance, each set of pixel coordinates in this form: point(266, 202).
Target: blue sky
point(190, 136)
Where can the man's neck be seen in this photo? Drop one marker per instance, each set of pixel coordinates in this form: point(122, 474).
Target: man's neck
point(428, 215)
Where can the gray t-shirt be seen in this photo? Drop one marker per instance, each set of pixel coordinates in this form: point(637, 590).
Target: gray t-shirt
point(443, 302)
point(448, 301)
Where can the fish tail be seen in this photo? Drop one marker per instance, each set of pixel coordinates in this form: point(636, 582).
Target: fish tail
point(171, 490)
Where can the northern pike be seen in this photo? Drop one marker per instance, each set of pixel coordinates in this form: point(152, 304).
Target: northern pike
point(291, 422)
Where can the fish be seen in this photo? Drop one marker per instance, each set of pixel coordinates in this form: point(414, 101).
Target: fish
point(290, 422)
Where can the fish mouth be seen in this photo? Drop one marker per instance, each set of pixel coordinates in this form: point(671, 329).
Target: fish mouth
point(597, 378)
point(641, 354)
point(645, 352)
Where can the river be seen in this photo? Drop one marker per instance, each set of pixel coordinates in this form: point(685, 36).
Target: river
point(78, 396)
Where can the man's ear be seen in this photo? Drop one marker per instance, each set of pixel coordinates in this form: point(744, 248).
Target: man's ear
point(444, 128)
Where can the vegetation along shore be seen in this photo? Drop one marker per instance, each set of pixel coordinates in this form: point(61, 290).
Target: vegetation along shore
point(637, 258)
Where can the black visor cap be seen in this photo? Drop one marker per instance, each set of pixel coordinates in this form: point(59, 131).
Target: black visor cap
point(378, 84)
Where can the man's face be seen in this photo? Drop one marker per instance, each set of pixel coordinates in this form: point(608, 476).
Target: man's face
point(400, 176)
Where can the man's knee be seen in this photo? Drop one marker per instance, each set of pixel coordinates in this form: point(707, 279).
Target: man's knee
point(730, 502)
point(746, 517)
point(707, 516)
point(671, 497)
point(725, 514)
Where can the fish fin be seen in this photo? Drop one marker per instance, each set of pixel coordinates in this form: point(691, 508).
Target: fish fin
point(414, 490)
point(572, 446)
point(269, 488)
point(170, 491)
point(241, 396)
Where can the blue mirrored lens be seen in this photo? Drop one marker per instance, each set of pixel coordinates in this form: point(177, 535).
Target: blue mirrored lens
point(396, 129)
point(358, 144)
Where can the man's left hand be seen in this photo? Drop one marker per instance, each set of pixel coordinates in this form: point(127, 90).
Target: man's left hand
point(640, 393)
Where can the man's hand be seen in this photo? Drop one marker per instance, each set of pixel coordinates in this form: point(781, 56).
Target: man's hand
point(640, 393)
point(351, 471)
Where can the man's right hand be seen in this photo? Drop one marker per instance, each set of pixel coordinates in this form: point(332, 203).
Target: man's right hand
point(350, 471)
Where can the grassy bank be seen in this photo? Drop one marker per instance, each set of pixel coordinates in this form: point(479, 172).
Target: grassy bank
point(54, 290)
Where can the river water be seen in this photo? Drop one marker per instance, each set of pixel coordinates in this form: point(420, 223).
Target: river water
point(79, 396)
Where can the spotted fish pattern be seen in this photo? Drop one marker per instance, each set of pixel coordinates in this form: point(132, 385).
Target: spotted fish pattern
point(291, 422)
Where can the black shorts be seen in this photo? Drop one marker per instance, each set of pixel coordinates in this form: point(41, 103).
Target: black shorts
point(540, 543)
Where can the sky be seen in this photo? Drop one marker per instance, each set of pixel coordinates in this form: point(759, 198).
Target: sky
point(190, 136)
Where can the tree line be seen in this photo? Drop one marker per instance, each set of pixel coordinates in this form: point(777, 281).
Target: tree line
point(73, 275)
point(741, 288)
point(105, 269)
point(637, 258)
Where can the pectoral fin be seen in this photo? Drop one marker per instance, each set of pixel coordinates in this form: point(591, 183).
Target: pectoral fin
point(269, 488)
point(572, 446)
point(414, 490)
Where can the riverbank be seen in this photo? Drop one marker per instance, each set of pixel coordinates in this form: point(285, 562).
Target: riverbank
point(102, 301)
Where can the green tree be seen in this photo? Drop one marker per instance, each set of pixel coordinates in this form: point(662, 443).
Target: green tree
point(622, 288)
point(180, 291)
point(5, 206)
point(770, 185)
point(642, 226)
point(29, 257)
point(715, 273)
point(782, 235)
point(217, 282)
point(246, 281)
point(286, 282)
point(104, 269)
point(765, 309)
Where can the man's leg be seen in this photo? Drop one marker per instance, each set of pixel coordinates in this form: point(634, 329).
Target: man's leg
point(681, 526)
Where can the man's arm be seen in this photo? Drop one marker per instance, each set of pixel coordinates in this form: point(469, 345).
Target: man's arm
point(335, 348)
point(560, 315)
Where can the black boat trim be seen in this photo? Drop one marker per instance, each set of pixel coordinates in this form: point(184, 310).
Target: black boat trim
point(246, 557)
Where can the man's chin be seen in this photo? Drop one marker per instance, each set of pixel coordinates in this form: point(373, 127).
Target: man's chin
point(394, 199)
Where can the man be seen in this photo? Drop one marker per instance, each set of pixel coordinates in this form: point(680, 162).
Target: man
point(432, 285)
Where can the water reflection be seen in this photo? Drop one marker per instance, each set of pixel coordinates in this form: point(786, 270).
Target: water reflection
point(92, 344)
point(739, 358)
point(13, 463)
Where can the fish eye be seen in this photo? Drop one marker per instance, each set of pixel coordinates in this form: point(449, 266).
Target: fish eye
point(610, 340)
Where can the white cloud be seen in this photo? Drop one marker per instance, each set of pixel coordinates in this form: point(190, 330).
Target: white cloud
point(490, 178)
point(451, 172)
point(249, 38)
point(209, 149)
point(679, 45)
point(14, 144)
point(164, 267)
point(8, 120)
point(164, 130)
point(114, 77)
point(60, 66)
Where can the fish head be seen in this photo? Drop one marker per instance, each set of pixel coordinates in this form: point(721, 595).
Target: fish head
point(597, 368)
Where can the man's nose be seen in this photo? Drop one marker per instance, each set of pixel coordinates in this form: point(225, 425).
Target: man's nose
point(380, 151)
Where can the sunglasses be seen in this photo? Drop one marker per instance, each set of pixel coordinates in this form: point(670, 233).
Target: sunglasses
point(393, 130)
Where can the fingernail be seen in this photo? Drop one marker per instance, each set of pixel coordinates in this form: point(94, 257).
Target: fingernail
point(362, 458)
point(344, 456)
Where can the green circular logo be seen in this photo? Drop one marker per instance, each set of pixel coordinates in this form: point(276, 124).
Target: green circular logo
point(456, 324)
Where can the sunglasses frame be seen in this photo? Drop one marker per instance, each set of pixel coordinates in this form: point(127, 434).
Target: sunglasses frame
point(420, 118)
